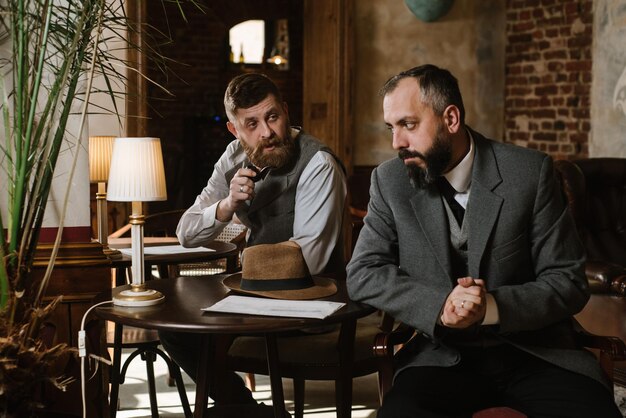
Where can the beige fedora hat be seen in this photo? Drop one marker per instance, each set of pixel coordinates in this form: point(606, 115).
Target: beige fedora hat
point(278, 271)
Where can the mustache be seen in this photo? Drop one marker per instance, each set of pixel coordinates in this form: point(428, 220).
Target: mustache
point(271, 142)
point(405, 154)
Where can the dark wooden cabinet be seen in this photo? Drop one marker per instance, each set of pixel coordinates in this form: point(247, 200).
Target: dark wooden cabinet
point(81, 272)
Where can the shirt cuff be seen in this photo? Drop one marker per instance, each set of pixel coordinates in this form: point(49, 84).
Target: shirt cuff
point(210, 217)
point(492, 316)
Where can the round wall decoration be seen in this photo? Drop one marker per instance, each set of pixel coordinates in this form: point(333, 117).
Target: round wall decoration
point(429, 10)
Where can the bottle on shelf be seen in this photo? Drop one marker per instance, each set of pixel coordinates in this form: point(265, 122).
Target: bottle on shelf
point(241, 57)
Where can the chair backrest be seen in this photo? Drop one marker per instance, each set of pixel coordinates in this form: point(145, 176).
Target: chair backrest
point(162, 224)
point(235, 233)
point(356, 208)
point(596, 191)
point(359, 187)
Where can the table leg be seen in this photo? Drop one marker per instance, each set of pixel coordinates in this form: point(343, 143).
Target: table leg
point(211, 372)
point(202, 379)
point(273, 368)
point(115, 370)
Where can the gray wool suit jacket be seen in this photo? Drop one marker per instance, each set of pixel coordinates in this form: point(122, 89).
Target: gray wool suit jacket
point(522, 241)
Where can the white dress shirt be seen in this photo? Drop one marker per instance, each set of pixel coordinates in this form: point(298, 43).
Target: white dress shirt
point(320, 196)
point(460, 178)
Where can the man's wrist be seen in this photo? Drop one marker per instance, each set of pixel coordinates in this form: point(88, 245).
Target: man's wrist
point(223, 212)
point(492, 316)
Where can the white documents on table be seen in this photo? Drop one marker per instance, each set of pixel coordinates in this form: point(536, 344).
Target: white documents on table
point(167, 250)
point(319, 309)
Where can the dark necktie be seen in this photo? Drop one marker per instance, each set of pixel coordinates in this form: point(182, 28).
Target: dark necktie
point(448, 193)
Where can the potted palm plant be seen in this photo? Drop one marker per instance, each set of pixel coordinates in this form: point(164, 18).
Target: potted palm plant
point(50, 53)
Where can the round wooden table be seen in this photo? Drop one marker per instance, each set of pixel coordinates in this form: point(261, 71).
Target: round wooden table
point(167, 263)
point(181, 311)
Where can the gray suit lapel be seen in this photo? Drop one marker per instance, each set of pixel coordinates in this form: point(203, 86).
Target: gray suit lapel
point(484, 205)
point(428, 208)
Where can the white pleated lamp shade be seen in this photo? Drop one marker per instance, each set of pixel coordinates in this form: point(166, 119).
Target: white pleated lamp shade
point(100, 152)
point(137, 173)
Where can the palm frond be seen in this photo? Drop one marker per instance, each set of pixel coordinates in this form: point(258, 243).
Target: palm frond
point(57, 48)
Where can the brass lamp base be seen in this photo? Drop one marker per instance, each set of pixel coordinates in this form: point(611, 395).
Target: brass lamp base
point(112, 253)
point(138, 296)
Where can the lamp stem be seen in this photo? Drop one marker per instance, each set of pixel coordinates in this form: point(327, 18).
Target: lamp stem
point(138, 295)
point(101, 201)
point(137, 221)
point(103, 223)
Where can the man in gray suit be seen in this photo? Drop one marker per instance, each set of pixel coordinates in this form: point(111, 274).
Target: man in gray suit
point(470, 242)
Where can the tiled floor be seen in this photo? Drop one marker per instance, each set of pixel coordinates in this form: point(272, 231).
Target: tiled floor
point(319, 396)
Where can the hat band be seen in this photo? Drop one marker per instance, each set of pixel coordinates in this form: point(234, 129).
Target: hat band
point(277, 284)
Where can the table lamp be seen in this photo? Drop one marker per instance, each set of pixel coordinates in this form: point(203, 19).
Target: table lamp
point(137, 176)
point(100, 151)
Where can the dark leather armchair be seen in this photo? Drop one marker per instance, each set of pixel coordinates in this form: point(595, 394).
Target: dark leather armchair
point(596, 192)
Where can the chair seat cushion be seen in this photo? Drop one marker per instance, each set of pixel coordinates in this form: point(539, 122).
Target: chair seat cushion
point(499, 412)
point(309, 349)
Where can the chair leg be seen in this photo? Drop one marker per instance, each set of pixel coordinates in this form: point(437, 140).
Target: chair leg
point(385, 378)
point(343, 397)
point(298, 398)
point(115, 371)
point(148, 353)
point(174, 373)
point(171, 382)
point(149, 358)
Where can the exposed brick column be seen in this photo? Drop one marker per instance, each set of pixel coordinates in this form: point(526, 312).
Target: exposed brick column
point(548, 75)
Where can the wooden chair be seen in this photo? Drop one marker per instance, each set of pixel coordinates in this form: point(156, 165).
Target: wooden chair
point(163, 224)
point(386, 344)
point(340, 355)
point(145, 342)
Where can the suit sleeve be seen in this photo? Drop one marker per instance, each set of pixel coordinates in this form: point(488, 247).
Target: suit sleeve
point(376, 278)
point(559, 288)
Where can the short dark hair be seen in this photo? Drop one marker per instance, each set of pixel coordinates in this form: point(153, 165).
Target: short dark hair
point(439, 87)
point(248, 89)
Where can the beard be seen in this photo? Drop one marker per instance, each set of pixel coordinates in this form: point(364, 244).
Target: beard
point(283, 152)
point(436, 160)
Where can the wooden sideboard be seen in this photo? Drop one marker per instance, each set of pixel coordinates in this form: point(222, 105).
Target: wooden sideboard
point(81, 272)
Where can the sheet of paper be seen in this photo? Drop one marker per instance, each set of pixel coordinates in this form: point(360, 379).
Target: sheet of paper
point(275, 307)
point(167, 249)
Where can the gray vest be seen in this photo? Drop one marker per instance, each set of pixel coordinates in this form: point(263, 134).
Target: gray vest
point(474, 335)
point(271, 213)
point(458, 247)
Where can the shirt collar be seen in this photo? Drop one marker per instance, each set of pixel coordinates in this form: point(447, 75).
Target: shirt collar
point(460, 176)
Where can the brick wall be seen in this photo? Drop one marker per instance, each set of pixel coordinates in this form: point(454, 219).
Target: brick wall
point(191, 121)
point(548, 75)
